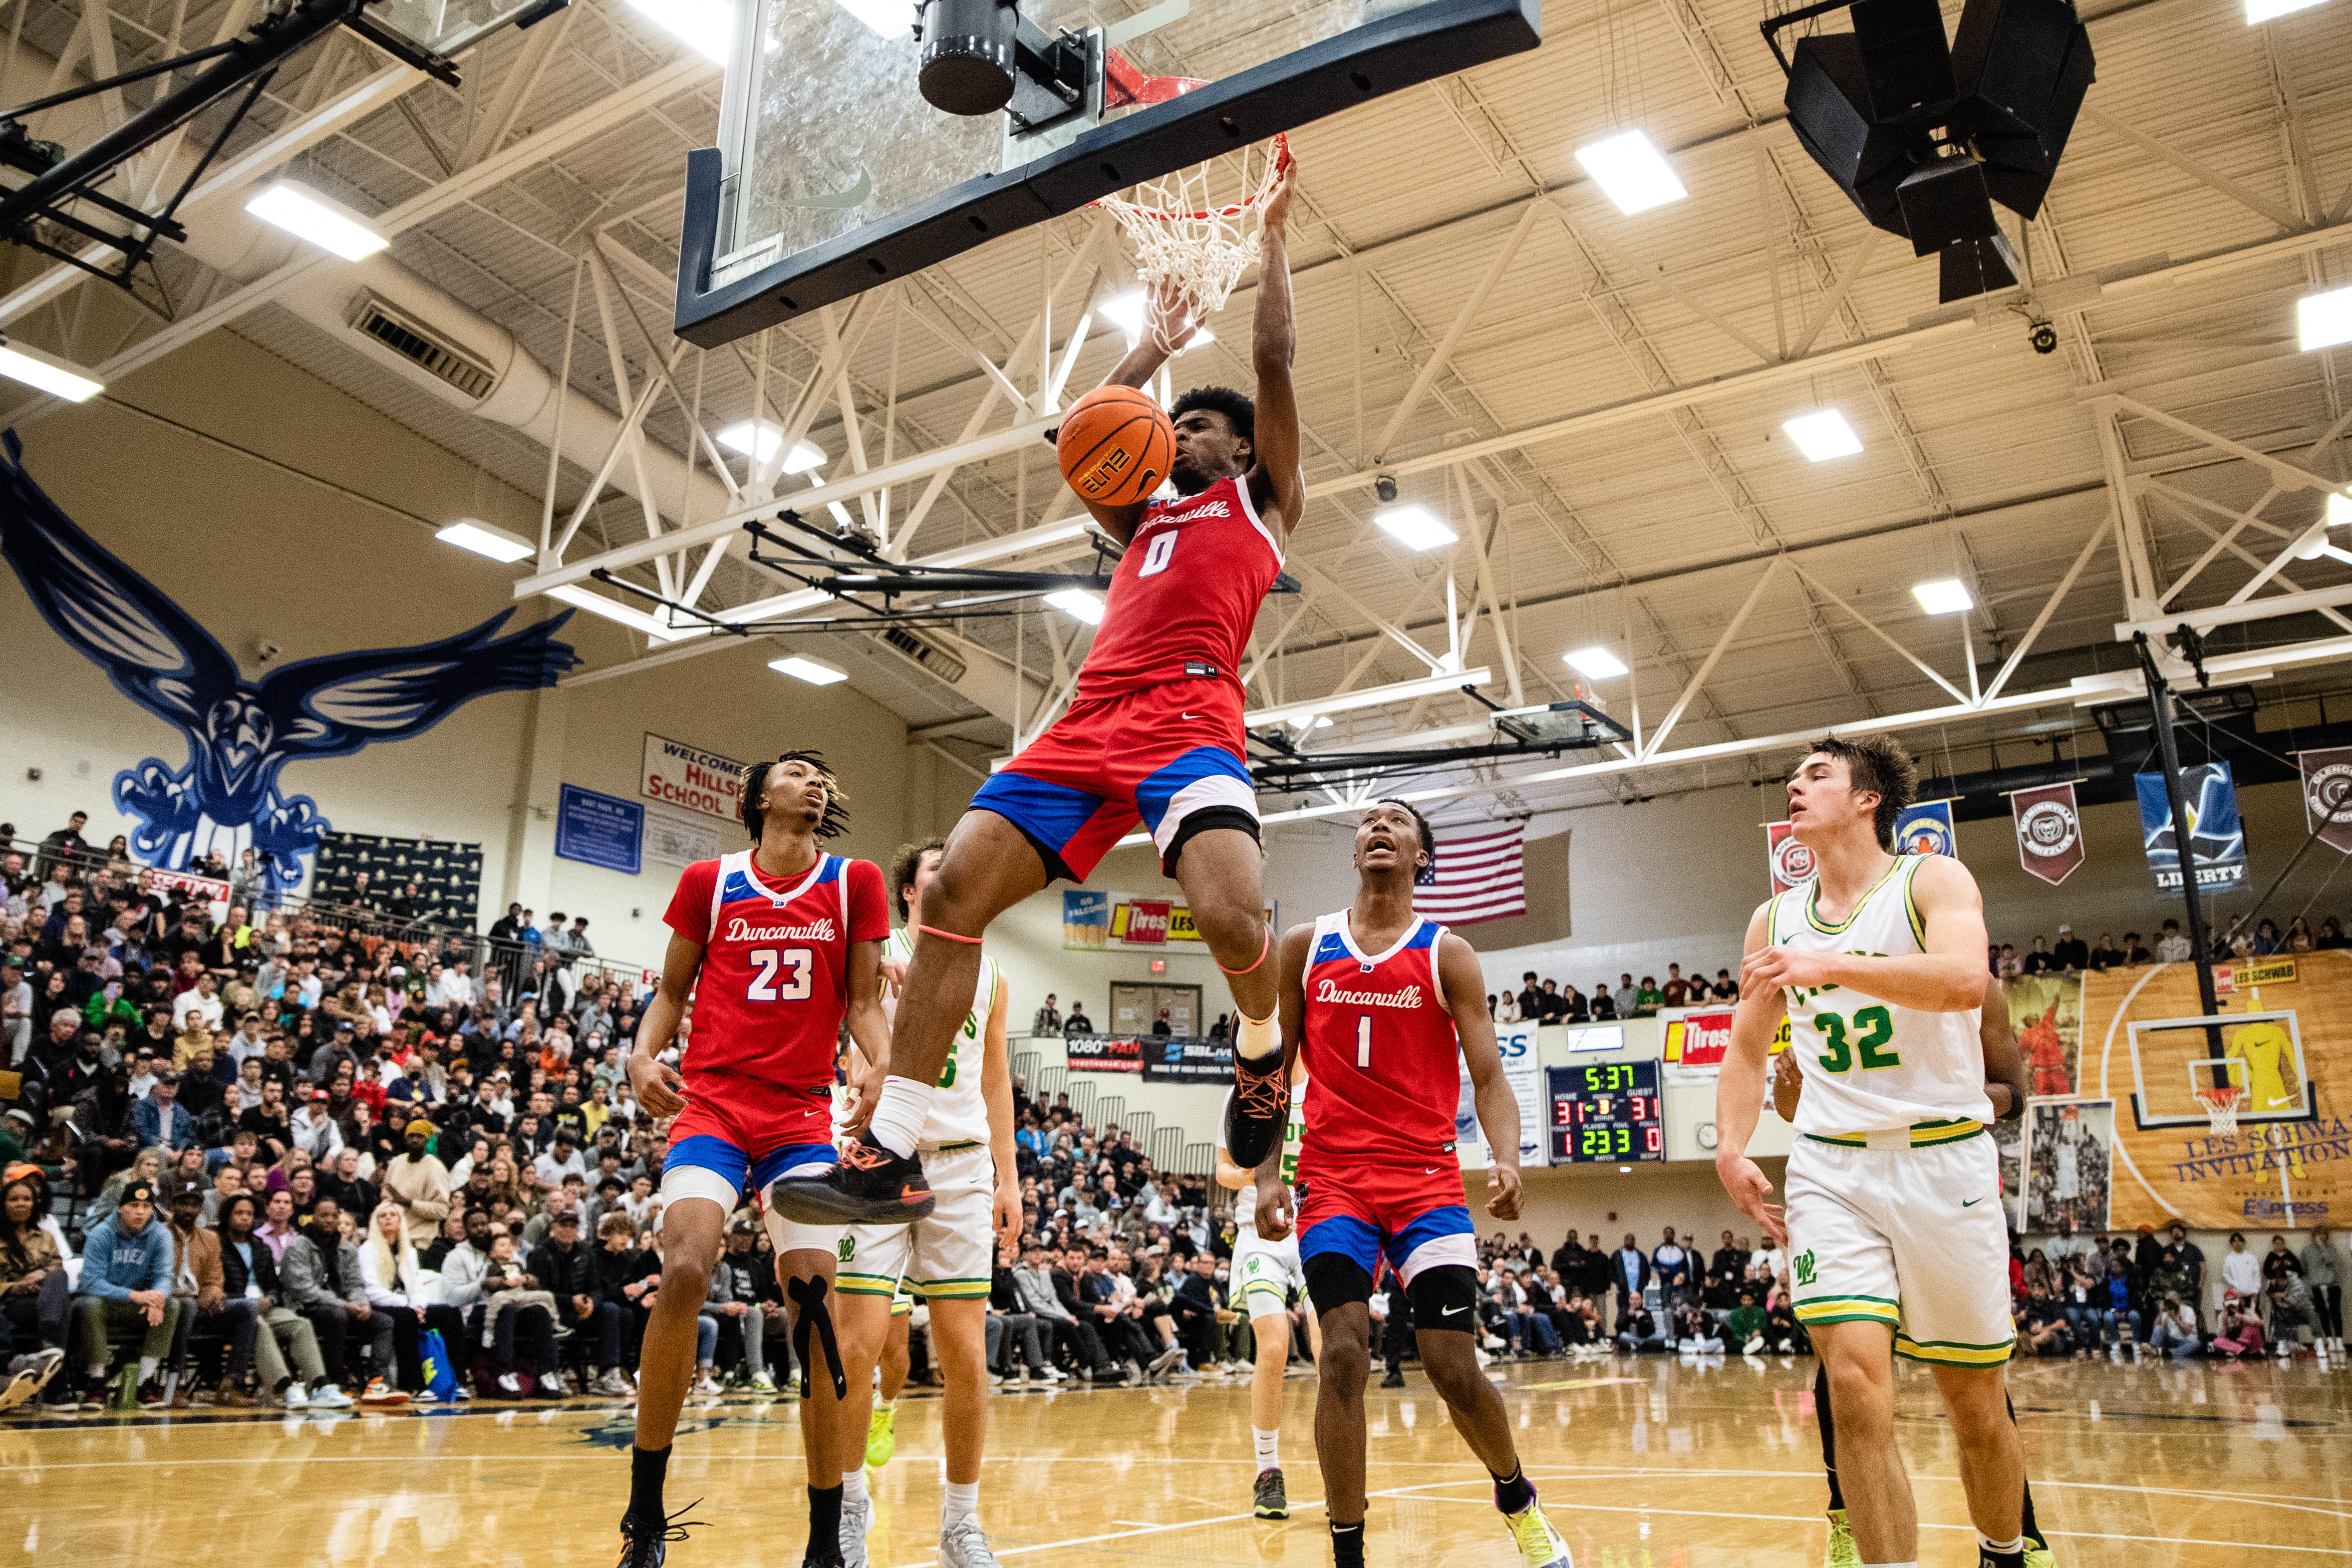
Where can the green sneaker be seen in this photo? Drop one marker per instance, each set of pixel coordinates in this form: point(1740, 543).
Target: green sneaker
point(1269, 1500)
point(1842, 1552)
point(2037, 1554)
point(881, 1438)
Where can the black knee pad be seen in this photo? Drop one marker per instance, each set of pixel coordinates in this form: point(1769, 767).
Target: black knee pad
point(1200, 821)
point(809, 1295)
point(1335, 1279)
point(1444, 1297)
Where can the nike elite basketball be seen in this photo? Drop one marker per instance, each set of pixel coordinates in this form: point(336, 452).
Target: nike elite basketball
point(1116, 445)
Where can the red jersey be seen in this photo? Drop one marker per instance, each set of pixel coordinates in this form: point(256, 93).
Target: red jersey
point(1383, 1062)
point(775, 963)
point(1185, 595)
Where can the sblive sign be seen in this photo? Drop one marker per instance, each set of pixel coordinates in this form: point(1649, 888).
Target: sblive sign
point(691, 779)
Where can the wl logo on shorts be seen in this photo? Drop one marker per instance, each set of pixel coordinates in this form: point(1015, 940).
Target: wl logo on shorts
point(1803, 1261)
point(847, 1248)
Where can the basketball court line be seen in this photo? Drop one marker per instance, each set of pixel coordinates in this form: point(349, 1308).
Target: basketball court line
point(2106, 1050)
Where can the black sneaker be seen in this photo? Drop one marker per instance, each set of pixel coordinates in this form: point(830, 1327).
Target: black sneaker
point(1271, 1501)
point(1395, 1379)
point(1254, 1116)
point(644, 1543)
point(871, 1186)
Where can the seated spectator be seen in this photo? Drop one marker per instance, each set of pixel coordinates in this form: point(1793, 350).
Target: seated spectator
point(2286, 1307)
point(1604, 1004)
point(320, 1272)
point(2040, 961)
point(2171, 947)
point(126, 1282)
point(2241, 1329)
point(249, 1272)
point(2011, 966)
point(2071, 952)
point(1745, 1327)
point(1638, 1331)
point(2042, 1325)
point(1724, 989)
point(393, 1280)
point(1695, 1333)
point(2331, 935)
point(2175, 1328)
point(2106, 955)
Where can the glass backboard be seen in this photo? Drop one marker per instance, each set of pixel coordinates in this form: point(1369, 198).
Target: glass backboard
point(832, 174)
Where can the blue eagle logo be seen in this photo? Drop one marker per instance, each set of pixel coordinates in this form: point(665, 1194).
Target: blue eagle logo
point(240, 733)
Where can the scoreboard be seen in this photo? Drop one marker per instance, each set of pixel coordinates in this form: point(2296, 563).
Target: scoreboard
point(1606, 1111)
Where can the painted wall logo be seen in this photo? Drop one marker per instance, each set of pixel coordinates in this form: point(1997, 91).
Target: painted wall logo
point(240, 733)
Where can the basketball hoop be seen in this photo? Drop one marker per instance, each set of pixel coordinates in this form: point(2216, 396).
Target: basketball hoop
point(2222, 1107)
point(1189, 230)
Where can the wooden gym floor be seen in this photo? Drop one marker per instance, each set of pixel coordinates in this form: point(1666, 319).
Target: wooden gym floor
point(1648, 1464)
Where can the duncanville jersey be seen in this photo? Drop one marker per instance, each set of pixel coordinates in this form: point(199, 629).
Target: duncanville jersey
point(1185, 594)
point(1382, 1060)
point(1292, 1132)
point(958, 1110)
point(1870, 1066)
point(775, 965)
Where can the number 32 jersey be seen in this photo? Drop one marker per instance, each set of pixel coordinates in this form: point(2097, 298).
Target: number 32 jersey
point(775, 965)
point(1383, 1062)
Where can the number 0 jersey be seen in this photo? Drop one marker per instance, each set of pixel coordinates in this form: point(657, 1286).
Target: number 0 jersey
point(1383, 1062)
point(775, 966)
point(1185, 594)
point(959, 1109)
point(1870, 1066)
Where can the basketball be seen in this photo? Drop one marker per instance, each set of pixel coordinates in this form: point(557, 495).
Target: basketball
point(1116, 445)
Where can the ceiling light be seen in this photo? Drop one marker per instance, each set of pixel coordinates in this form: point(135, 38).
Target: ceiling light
point(2261, 11)
point(325, 222)
point(1945, 596)
point(468, 533)
point(2339, 512)
point(2323, 321)
point(759, 444)
point(60, 378)
point(1633, 173)
point(1128, 312)
point(1594, 664)
point(887, 17)
point(1414, 525)
point(704, 25)
point(1824, 435)
point(1313, 721)
point(1078, 606)
point(813, 672)
point(626, 614)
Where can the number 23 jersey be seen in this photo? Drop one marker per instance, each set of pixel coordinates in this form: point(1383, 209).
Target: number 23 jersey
point(1383, 1062)
point(1868, 1065)
point(776, 963)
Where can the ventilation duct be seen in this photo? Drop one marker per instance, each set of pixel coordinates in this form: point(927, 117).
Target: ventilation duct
point(421, 346)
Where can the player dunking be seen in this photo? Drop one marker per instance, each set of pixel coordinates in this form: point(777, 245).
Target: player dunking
point(1383, 1008)
point(1895, 1228)
point(1153, 734)
point(778, 946)
point(2005, 1072)
point(966, 1147)
point(1264, 1273)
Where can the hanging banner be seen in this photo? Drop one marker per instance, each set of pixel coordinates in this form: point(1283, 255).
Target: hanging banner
point(1085, 921)
point(691, 780)
point(674, 839)
point(2048, 832)
point(1925, 828)
point(2327, 796)
point(598, 830)
point(2217, 841)
point(1145, 921)
point(1792, 863)
point(1104, 1053)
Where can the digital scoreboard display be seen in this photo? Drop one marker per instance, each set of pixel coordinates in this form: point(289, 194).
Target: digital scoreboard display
point(1606, 1111)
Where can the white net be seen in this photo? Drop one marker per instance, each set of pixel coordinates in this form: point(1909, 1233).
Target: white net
point(1192, 229)
point(2222, 1107)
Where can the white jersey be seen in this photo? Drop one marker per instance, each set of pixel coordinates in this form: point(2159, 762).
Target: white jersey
point(1292, 1132)
point(1870, 1066)
point(959, 1108)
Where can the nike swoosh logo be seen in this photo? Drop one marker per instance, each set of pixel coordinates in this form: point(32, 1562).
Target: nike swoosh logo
point(1192, 716)
point(1453, 1311)
point(853, 197)
point(1970, 1202)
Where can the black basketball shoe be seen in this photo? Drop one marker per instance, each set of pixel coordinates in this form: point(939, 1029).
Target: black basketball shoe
point(871, 1186)
point(1254, 1116)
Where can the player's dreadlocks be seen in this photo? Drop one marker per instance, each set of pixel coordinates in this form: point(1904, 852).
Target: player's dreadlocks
point(1876, 763)
point(832, 825)
point(905, 860)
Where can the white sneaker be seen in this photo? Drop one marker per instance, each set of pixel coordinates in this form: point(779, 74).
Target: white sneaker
point(550, 1384)
point(463, 1393)
point(1052, 1374)
point(764, 1384)
point(856, 1518)
point(509, 1383)
point(298, 1398)
point(964, 1544)
point(1166, 1361)
point(610, 1385)
point(708, 1385)
point(329, 1397)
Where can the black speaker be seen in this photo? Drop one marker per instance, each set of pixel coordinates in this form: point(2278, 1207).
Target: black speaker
point(1828, 101)
point(2024, 66)
point(968, 55)
point(1906, 63)
point(1946, 201)
point(1969, 267)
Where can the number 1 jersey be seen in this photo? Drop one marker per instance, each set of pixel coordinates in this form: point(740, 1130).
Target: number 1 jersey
point(776, 963)
point(1383, 1062)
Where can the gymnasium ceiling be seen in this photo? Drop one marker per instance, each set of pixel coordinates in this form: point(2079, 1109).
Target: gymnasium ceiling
point(1606, 425)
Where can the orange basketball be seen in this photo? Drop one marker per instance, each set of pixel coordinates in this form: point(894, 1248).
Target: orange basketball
point(1116, 445)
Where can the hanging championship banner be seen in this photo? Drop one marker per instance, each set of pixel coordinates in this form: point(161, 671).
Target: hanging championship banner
point(2327, 796)
point(1792, 863)
point(2217, 840)
point(2048, 832)
point(1925, 828)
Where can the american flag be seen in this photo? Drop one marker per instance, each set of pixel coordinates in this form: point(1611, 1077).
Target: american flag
point(1479, 875)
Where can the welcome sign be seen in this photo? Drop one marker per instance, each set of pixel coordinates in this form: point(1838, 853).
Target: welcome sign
point(691, 780)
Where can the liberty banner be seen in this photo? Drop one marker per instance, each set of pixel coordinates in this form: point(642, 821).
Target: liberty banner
point(1792, 863)
point(2217, 840)
point(1925, 828)
point(2048, 832)
point(2327, 796)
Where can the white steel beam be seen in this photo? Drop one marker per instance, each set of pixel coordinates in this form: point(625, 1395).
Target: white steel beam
point(1463, 318)
point(1697, 682)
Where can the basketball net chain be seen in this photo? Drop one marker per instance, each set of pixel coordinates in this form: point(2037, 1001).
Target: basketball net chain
point(1185, 238)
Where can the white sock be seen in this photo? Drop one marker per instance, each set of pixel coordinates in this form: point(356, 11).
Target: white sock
point(1257, 1039)
point(888, 1407)
point(2002, 1548)
point(1269, 1448)
point(95, 1372)
point(147, 1364)
point(960, 1501)
point(899, 1115)
point(852, 1486)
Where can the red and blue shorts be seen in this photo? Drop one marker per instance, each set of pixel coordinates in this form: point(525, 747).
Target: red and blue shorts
point(1163, 757)
point(738, 1132)
point(1411, 1214)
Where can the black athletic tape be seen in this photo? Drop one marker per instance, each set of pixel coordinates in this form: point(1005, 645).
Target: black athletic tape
point(808, 1295)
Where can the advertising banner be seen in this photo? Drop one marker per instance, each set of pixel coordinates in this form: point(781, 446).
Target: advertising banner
point(1085, 921)
point(199, 889)
point(2048, 832)
point(691, 779)
point(599, 830)
point(1146, 923)
point(1104, 1053)
point(1790, 863)
point(2217, 840)
point(1695, 1043)
point(2046, 1012)
point(1186, 1059)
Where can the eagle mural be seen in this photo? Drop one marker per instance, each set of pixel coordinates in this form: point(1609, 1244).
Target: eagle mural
point(240, 733)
